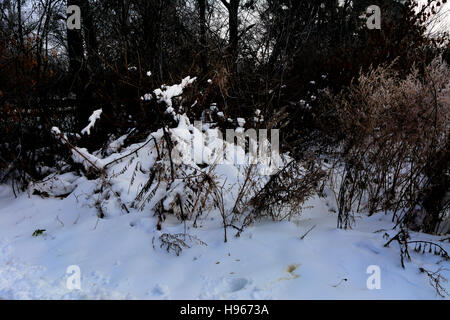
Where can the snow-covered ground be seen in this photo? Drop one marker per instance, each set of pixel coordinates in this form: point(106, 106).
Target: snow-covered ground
point(118, 260)
point(52, 234)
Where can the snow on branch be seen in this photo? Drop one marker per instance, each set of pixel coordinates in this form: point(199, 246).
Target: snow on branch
point(167, 93)
point(79, 155)
point(92, 119)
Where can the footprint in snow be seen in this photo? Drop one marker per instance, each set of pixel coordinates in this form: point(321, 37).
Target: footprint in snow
point(224, 287)
point(160, 290)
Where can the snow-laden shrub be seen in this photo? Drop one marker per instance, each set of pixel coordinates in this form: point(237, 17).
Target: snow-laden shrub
point(185, 171)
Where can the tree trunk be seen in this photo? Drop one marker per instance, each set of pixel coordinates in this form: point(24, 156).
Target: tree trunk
point(203, 39)
point(90, 34)
point(77, 67)
point(19, 13)
point(234, 36)
point(233, 22)
point(75, 46)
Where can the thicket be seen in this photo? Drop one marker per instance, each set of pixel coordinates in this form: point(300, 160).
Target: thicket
point(370, 104)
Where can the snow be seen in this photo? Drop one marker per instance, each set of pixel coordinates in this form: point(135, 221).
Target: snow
point(241, 122)
point(55, 185)
point(92, 119)
point(166, 93)
point(269, 260)
point(146, 97)
point(56, 131)
point(122, 255)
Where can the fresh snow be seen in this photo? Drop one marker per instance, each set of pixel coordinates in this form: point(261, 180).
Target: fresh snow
point(54, 226)
point(166, 93)
point(269, 261)
point(92, 120)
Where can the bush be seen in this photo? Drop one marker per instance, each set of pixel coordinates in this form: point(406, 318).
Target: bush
point(394, 154)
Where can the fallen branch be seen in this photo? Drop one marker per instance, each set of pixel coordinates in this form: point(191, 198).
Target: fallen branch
point(303, 237)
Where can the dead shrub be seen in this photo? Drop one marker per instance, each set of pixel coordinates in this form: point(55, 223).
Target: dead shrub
point(395, 154)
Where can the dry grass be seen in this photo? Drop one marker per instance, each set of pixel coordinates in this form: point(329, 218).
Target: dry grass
point(396, 145)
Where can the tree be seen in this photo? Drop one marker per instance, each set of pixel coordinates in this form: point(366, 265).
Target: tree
point(203, 39)
point(233, 29)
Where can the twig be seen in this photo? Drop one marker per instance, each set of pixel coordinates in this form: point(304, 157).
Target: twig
point(342, 280)
point(303, 237)
point(133, 152)
point(436, 279)
point(72, 147)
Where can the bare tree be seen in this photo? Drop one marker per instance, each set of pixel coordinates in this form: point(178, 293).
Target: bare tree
point(203, 39)
point(233, 23)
